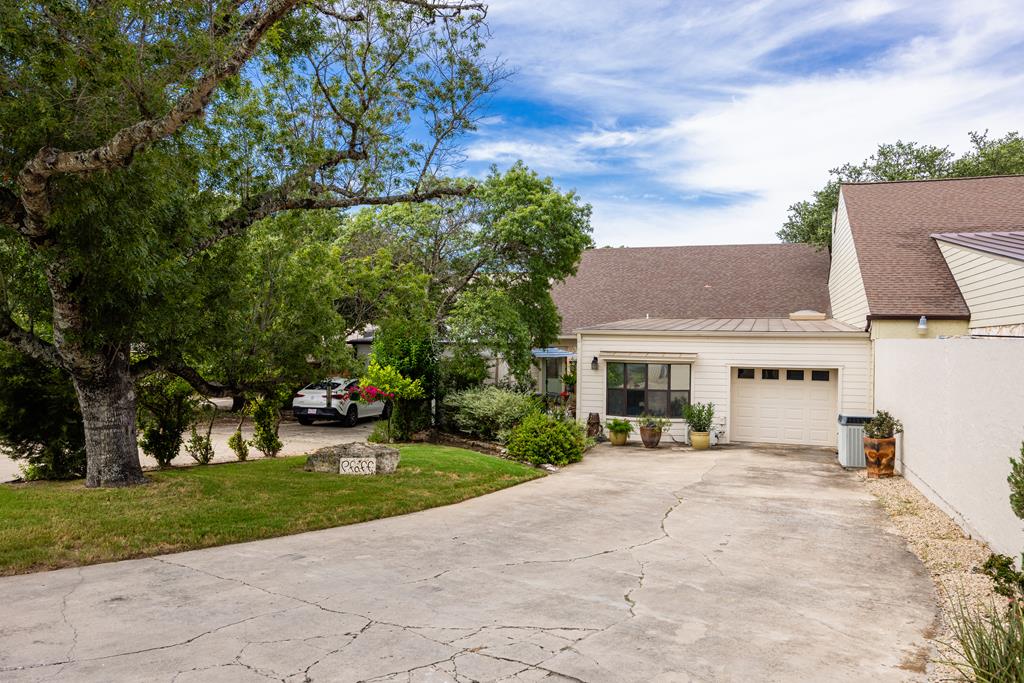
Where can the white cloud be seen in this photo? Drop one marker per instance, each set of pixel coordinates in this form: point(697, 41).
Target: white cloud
point(717, 120)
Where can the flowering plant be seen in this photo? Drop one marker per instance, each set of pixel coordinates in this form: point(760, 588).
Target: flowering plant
point(370, 394)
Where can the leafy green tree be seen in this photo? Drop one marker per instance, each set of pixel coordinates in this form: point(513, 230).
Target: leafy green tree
point(489, 258)
point(141, 139)
point(810, 221)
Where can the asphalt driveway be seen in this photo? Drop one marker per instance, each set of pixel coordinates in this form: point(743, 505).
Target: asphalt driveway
point(731, 565)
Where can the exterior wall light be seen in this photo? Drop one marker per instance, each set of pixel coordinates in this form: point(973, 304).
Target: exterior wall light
point(593, 364)
point(922, 325)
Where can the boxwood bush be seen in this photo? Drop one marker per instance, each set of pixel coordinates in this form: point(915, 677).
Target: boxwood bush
point(488, 411)
point(542, 438)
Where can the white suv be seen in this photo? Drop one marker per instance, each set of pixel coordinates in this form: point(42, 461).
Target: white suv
point(329, 400)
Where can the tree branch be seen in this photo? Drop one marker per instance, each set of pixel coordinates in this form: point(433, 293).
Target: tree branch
point(273, 202)
point(27, 342)
point(34, 176)
point(177, 366)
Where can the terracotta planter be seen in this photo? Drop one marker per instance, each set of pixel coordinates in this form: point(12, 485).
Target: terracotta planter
point(618, 438)
point(651, 436)
point(700, 440)
point(880, 455)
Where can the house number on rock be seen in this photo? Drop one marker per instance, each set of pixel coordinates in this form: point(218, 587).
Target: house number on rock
point(357, 466)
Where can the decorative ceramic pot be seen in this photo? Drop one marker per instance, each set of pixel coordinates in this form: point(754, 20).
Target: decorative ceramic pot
point(651, 436)
point(700, 440)
point(880, 455)
point(618, 438)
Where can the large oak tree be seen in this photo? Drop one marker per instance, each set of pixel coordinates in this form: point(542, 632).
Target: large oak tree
point(136, 136)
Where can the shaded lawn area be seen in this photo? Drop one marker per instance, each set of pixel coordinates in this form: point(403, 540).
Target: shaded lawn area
point(45, 525)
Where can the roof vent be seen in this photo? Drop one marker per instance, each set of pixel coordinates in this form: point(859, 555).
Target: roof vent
point(807, 314)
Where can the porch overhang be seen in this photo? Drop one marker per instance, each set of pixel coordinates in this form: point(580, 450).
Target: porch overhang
point(647, 356)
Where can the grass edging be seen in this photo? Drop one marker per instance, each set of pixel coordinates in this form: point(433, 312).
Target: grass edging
point(49, 525)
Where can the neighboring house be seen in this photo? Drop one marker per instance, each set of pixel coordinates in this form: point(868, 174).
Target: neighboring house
point(781, 337)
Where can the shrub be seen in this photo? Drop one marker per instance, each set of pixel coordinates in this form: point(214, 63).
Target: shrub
point(40, 422)
point(699, 416)
point(654, 422)
point(410, 409)
point(882, 426)
point(989, 643)
point(266, 418)
point(542, 438)
point(618, 425)
point(238, 445)
point(166, 409)
point(488, 411)
point(200, 447)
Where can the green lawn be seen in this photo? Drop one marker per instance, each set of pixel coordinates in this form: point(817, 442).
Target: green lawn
point(45, 525)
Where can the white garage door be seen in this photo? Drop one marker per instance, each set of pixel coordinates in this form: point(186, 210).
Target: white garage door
point(780, 405)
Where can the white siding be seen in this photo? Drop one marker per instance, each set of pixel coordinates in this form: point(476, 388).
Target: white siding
point(717, 355)
point(992, 286)
point(845, 284)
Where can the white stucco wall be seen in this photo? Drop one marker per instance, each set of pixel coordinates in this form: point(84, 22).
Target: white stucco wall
point(716, 355)
point(961, 401)
point(845, 284)
point(992, 286)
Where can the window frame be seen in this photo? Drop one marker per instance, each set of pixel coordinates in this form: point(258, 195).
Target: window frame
point(622, 393)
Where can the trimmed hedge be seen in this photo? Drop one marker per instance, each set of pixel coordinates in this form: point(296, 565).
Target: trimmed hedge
point(546, 439)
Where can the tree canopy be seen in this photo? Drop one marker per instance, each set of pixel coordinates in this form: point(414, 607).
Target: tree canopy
point(810, 220)
point(137, 140)
point(488, 260)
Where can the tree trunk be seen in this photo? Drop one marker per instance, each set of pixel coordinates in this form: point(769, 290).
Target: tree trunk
point(107, 400)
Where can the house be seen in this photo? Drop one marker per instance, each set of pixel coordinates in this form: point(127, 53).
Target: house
point(781, 337)
point(947, 250)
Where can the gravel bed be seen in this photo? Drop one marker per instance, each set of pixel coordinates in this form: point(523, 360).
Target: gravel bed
point(952, 558)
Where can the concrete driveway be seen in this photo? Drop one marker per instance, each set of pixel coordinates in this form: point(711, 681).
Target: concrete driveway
point(731, 565)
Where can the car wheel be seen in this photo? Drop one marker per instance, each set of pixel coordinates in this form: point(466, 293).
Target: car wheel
point(352, 417)
point(305, 421)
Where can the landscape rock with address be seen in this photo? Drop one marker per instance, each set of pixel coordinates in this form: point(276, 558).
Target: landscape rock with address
point(358, 455)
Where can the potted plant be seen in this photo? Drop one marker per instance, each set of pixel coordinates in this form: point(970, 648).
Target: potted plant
point(651, 428)
point(618, 430)
point(880, 444)
point(569, 380)
point(699, 417)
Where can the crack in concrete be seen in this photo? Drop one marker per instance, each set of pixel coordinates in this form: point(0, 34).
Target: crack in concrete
point(155, 648)
point(628, 597)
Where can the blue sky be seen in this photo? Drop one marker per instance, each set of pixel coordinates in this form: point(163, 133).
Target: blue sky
point(700, 122)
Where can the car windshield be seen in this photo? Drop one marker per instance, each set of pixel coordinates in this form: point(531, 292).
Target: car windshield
point(324, 385)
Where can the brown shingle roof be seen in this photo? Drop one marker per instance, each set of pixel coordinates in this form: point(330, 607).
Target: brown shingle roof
point(903, 269)
point(731, 281)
